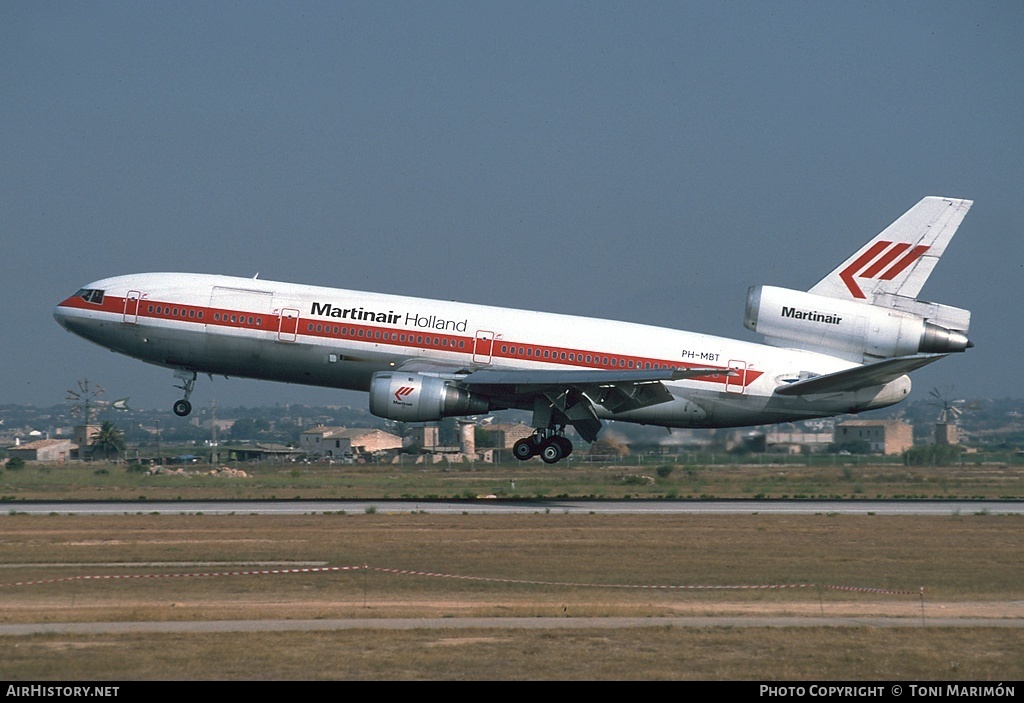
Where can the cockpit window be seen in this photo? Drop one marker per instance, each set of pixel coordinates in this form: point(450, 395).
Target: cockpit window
point(91, 295)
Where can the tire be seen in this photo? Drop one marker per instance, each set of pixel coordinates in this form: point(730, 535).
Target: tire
point(524, 449)
point(552, 452)
point(182, 408)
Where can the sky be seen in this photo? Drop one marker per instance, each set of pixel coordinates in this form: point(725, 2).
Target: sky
point(641, 161)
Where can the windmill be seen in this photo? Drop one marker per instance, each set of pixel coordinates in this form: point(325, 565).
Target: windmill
point(85, 399)
point(84, 403)
point(947, 431)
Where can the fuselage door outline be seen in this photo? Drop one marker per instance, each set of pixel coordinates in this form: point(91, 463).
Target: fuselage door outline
point(131, 307)
point(288, 324)
point(483, 347)
point(736, 382)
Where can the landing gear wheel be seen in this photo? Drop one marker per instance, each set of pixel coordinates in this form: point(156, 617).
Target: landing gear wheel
point(552, 451)
point(524, 449)
point(188, 382)
point(566, 445)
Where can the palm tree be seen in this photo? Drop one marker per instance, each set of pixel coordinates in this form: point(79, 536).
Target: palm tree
point(109, 440)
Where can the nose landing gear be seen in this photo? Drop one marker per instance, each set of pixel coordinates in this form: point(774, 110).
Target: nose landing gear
point(188, 382)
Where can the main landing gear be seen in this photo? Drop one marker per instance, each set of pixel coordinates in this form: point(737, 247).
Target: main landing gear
point(188, 382)
point(551, 445)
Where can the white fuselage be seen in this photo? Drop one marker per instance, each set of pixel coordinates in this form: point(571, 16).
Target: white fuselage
point(338, 338)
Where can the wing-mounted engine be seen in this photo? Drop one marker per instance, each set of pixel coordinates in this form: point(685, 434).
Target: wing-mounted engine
point(891, 326)
point(415, 397)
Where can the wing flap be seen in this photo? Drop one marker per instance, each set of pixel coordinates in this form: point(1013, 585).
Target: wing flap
point(854, 379)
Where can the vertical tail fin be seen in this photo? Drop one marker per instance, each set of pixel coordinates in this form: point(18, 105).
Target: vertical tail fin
point(899, 260)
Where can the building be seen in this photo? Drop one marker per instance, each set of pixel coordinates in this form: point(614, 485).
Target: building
point(794, 442)
point(505, 435)
point(256, 452)
point(878, 436)
point(346, 443)
point(424, 436)
point(43, 450)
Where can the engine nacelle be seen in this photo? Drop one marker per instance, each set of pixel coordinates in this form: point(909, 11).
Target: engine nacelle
point(414, 397)
point(857, 331)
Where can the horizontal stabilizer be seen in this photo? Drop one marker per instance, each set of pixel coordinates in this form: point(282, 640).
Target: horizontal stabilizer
point(854, 379)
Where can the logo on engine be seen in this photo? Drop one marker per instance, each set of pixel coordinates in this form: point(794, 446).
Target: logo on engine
point(402, 393)
point(883, 260)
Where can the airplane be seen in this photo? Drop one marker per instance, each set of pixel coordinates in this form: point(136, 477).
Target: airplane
point(845, 345)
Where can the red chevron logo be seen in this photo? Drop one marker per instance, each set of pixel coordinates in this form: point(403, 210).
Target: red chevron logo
point(883, 260)
point(402, 392)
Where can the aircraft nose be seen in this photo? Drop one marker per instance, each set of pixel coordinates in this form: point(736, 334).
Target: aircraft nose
point(64, 312)
point(60, 315)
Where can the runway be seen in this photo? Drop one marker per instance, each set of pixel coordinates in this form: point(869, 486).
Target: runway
point(527, 507)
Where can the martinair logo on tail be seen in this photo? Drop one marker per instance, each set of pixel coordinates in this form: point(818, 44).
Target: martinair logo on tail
point(883, 260)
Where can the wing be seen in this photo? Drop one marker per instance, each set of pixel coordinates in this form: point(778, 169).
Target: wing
point(569, 397)
point(876, 374)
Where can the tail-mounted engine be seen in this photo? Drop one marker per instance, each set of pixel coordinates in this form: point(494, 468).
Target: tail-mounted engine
point(413, 397)
point(892, 326)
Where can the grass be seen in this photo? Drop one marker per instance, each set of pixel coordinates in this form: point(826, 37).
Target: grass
point(530, 480)
point(760, 654)
point(968, 565)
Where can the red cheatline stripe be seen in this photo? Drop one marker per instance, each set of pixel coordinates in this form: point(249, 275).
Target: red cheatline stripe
point(435, 340)
point(903, 263)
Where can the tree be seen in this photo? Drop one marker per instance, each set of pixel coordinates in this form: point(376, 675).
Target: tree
point(109, 440)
